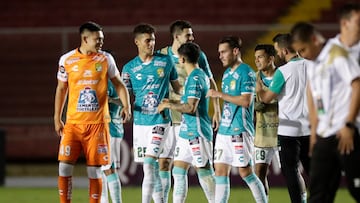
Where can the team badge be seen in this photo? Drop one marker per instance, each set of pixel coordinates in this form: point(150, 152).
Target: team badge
point(98, 67)
point(160, 72)
point(232, 84)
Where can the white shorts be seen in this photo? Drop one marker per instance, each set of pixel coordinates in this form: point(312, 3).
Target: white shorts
point(234, 150)
point(170, 142)
point(197, 152)
point(148, 140)
point(115, 143)
point(264, 155)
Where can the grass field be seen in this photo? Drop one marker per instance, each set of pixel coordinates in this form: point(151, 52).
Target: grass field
point(133, 194)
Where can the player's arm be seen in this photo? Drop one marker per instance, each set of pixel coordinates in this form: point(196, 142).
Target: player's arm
point(243, 100)
point(60, 96)
point(176, 86)
point(124, 97)
point(216, 104)
point(312, 118)
point(346, 134)
point(189, 107)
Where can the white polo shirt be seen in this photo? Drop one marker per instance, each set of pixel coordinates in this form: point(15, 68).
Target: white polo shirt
point(330, 79)
point(353, 50)
point(289, 82)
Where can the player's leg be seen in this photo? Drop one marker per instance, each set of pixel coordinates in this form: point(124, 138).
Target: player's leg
point(263, 157)
point(182, 161)
point(151, 186)
point(97, 153)
point(202, 159)
point(290, 158)
point(325, 171)
point(222, 164)
point(165, 160)
point(111, 181)
point(69, 151)
point(242, 146)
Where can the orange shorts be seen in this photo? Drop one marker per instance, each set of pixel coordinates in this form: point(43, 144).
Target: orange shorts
point(93, 139)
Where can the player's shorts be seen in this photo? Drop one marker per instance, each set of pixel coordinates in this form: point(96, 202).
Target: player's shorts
point(234, 150)
point(115, 143)
point(92, 139)
point(170, 142)
point(197, 152)
point(149, 140)
point(264, 155)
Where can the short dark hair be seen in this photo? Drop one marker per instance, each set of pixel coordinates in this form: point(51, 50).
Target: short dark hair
point(302, 32)
point(284, 41)
point(90, 26)
point(233, 41)
point(268, 49)
point(143, 28)
point(190, 51)
point(179, 25)
point(345, 11)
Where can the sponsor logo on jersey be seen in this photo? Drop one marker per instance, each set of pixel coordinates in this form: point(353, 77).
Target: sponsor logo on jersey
point(87, 82)
point(88, 101)
point(138, 76)
point(136, 68)
point(72, 60)
point(75, 68)
point(160, 63)
point(62, 69)
point(150, 103)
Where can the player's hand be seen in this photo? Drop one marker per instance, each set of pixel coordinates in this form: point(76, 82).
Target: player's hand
point(312, 144)
point(216, 121)
point(59, 126)
point(125, 114)
point(346, 140)
point(165, 104)
point(213, 93)
point(258, 86)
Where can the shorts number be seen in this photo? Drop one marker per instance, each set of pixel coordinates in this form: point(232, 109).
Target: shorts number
point(65, 150)
point(217, 154)
point(177, 149)
point(260, 155)
point(141, 151)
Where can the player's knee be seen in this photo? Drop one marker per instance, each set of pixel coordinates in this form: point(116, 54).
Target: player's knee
point(94, 172)
point(165, 164)
point(65, 169)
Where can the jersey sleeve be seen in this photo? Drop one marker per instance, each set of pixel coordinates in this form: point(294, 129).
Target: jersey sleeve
point(194, 87)
point(347, 68)
point(125, 74)
point(112, 68)
point(248, 83)
point(204, 65)
point(62, 74)
point(278, 82)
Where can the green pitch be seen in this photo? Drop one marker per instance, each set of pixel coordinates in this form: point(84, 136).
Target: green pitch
point(133, 194)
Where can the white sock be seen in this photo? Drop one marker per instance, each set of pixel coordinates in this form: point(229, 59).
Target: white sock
point(256, 187)
point(149, 186)
point(104, 191)
point(303, 197)
point(165, 177)
point(222, 189)
point(114, 185)
point(207, 181)
point(180, 185)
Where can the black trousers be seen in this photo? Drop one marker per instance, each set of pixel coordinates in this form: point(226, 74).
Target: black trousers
point(326, 167)
point(294, 150)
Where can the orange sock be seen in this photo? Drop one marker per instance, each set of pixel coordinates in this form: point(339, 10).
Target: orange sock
point(65, 188)
point(95, 190)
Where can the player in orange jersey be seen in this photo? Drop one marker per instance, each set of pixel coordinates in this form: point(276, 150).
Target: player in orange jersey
point(83, 78)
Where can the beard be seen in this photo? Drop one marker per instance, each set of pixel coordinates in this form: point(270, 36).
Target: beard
point(279, 61)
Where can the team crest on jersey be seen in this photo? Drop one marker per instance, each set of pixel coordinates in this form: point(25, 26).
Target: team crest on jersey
point(88, 101)
point(233, 84)
point(160, 72)
point(150, 103)
point(98, 67)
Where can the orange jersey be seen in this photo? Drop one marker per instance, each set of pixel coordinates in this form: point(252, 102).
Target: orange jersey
point(87, 77)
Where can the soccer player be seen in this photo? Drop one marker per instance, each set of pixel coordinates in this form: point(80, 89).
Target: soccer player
point(288, 86)
point(111, 181)
point(349, 36)
point(267, 119)
point(234, 142)
point(181, 32)
point(194, 144)
point(333, 94)
point(148, 76)
point(83, 76)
